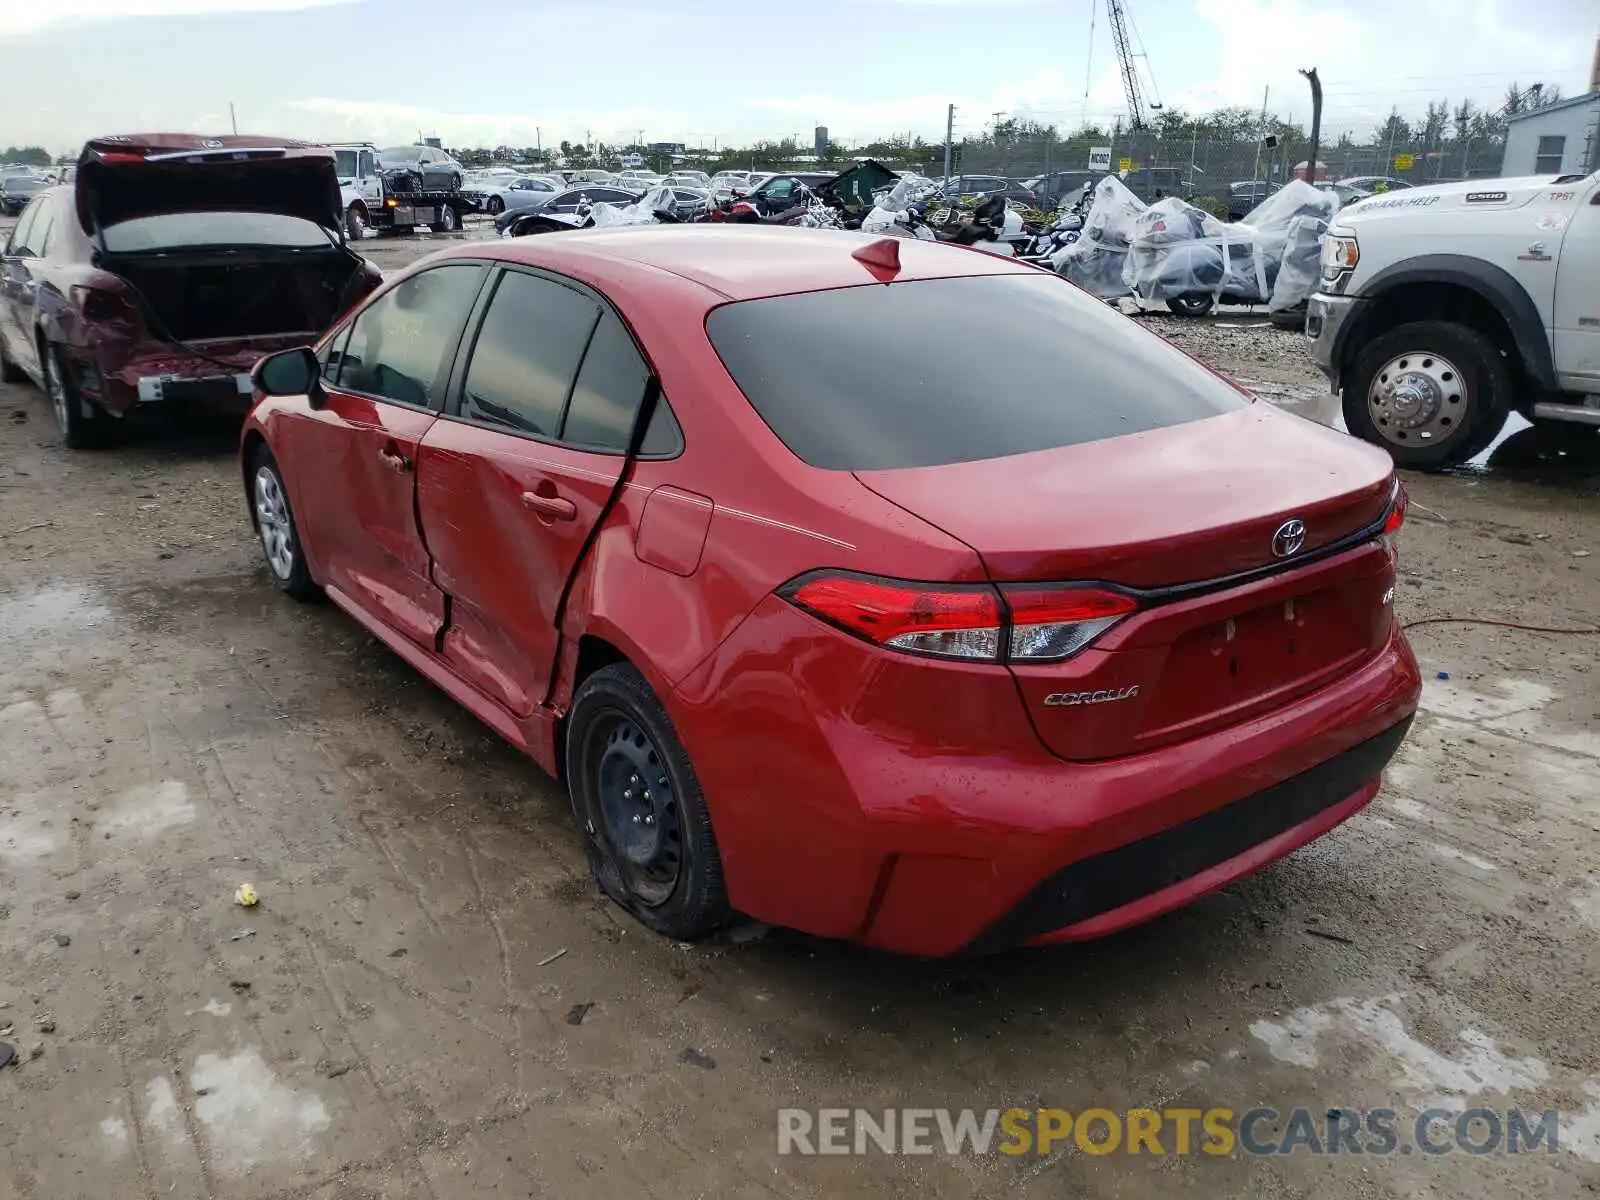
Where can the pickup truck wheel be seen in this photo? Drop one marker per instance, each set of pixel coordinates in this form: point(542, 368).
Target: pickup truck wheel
point(1431, 393)
point(639, 807)
point(1195, 304)
point(355, 222)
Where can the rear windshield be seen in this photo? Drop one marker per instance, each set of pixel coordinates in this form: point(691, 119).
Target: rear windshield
point(170, 231)
point(940, 371)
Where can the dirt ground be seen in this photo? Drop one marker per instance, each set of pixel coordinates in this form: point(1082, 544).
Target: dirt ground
point(432, 1001)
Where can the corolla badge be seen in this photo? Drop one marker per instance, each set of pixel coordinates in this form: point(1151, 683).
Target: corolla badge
point(1103, 696)
point(1288, 538)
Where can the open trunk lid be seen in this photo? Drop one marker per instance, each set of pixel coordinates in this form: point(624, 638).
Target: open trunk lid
point(143, 175)
point(1248, 541)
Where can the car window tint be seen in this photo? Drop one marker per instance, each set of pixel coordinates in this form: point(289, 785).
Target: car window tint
point(527, 353)
point(399, 342)
point(865, 378)
point(605, 399)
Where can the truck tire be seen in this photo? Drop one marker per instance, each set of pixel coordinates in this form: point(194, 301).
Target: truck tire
point(355, 221)
point(449, 220)
point(1432, 393)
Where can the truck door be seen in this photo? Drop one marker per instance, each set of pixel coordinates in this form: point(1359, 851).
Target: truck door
point(1576, 328)
point(367, 180)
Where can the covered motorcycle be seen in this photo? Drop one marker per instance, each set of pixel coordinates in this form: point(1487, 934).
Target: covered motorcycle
point(1189, 259)
point(1095, 260)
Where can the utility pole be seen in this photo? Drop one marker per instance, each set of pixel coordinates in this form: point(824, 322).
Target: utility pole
point(949, 134)
point(1316, 122)
point(233, 117)
point(1255, 171)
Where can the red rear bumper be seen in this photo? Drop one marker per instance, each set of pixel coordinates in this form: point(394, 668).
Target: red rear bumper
point(829, 823)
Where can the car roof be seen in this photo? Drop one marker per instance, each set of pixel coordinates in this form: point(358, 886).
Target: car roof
point(734, 262)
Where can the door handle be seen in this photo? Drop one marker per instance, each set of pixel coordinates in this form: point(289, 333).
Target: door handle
point(556, 508)
point(398, 463)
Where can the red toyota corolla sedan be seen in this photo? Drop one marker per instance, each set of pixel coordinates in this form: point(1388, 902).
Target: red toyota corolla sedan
point(883, 590)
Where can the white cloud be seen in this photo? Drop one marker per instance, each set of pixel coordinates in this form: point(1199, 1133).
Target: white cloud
point(26, 16)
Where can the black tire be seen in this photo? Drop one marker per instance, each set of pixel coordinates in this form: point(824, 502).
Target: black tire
point(9, 371)
point(82, 425)
point(355, 222)
point(1195, 304)
point(669, 876)
point(449, 220)
point(1473, 408)
point(1290, 318)
point(455, 181)
point(269, 502)
point(494, 206)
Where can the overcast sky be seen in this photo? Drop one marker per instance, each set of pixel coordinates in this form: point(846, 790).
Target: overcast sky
point(482, 72)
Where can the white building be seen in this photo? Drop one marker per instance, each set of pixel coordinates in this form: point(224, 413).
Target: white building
point(1559, 139)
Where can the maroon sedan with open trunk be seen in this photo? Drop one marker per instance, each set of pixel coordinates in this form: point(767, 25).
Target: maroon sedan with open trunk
point(167, 268)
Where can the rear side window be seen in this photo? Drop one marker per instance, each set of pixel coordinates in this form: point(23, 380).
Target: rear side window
point(527, 354)
point(941, 371)
point(606, 398)
point(399, 343)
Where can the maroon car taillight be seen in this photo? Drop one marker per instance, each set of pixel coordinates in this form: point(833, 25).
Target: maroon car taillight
point(98, 304)
point(1012, 623)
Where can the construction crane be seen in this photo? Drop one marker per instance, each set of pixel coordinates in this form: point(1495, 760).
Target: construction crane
point(1125, 57)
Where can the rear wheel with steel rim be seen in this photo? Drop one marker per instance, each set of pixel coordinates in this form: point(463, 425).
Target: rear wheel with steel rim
point(640, 809)
point(448, 222)
point(1432, 393)
point(275, 525)
point(82, 425)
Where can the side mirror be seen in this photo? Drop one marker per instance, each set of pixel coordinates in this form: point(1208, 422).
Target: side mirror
point(290, 373)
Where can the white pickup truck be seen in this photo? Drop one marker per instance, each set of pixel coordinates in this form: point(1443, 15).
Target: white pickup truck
point(1442, 309)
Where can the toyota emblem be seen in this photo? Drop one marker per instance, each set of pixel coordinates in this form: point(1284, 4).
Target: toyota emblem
point(1288, 538)
point(211, 144)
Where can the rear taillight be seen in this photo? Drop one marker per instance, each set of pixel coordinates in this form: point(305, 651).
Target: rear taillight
point(1012, 623)
point(98, 304)
point(1396, 515)
point(1050, 623)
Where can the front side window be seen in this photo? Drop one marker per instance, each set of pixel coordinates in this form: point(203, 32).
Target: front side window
point(24, 227)
point(527, 353)
point(399, 344)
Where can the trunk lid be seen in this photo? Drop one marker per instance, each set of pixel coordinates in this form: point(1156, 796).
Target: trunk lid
point(1193, 517)
point(144, 175)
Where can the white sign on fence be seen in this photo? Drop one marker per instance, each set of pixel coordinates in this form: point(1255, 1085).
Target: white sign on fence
point(1099, 158)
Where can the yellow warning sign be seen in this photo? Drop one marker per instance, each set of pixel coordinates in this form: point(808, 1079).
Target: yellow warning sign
point(1404, 162)
point(1124, 164)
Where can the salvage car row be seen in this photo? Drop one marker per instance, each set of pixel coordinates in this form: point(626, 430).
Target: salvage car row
point(699, 519)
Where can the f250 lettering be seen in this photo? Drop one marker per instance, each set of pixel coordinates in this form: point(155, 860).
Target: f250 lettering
point(1104, 696)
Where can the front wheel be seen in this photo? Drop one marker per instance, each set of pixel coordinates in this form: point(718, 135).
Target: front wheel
point(1431, 393)
point(275, 525)
point(1194, 304)
point(355, 222)
point(639, 807)
point(495, 206)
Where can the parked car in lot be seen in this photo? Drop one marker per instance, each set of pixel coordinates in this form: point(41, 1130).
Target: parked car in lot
point(438, 170)
point(1156, 183)
point(694, 179)
point(980, 187)
point(1051, 188)
point(524, 204)
point(166, 269)
point(775, 193)
point(826, 616)
point(496, 195)
point(728, 183)
point(1359, 187)
point(17, 188)
point(1245, 195)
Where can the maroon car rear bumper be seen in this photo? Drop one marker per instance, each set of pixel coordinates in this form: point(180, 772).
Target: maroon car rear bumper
point(119, 378)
